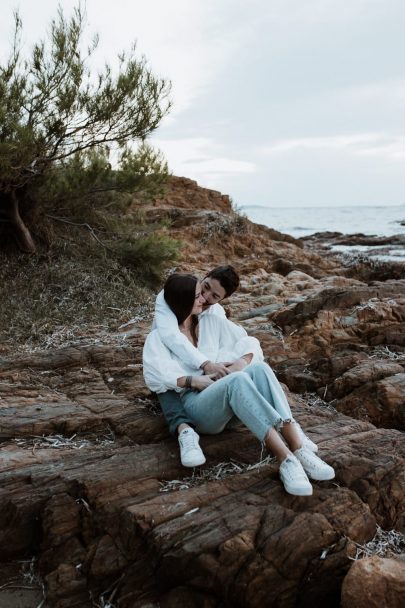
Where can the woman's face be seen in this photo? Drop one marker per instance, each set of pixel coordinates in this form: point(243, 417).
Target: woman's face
point(199, 300)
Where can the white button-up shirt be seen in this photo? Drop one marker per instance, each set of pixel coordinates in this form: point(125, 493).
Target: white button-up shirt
point(219, 339)
point(165, 322)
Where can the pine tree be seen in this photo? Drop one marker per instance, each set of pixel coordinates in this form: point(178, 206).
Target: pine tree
point(57, 115)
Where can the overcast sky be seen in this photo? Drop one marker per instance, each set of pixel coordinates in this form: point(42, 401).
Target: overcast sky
point(277, 102)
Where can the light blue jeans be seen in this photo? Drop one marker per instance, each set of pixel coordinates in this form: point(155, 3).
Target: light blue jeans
point(253, 395)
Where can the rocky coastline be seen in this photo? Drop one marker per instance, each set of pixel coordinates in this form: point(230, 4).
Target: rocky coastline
point(91, 483)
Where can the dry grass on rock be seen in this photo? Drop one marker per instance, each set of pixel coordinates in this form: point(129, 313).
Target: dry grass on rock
point(73, 292)
point(386, 543)
point(220, 226)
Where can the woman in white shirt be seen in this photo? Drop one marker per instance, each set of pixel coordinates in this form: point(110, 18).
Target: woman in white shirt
point(248, 395)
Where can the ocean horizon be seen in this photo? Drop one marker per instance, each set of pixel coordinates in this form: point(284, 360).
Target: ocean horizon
point(302, 221)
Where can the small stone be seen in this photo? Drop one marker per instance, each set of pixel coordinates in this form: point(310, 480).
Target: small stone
point(374, 582)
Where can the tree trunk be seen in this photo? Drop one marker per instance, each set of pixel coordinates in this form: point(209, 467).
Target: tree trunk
point(22, 234)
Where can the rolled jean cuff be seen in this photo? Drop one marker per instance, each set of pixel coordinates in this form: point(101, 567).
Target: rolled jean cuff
point(279, 425)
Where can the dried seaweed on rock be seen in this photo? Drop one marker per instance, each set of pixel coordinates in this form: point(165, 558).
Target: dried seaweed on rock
point(59, 441)
point(386, 352)
point(26, 577)
point(314, 400)
point(215, 473)
point(385, 543)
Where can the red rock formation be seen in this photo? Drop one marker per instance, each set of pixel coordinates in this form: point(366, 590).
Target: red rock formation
point(374, 582)
point(87, 462)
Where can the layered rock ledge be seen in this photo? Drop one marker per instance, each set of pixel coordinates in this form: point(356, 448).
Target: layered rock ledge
point(91, 482)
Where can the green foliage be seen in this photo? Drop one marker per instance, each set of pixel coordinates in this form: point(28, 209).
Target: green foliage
point(149, 254)
point(73, 146)
point(78, 288)
point(52, 107)
point(117, 229)
point(88, 176)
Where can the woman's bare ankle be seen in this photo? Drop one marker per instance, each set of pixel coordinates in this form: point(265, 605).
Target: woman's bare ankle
point(276, 445)
point(291, 435)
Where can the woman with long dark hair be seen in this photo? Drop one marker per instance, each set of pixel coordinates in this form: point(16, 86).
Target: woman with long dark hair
point(252, 395)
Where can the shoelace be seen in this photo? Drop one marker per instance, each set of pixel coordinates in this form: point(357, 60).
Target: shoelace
point(311, 459)
point(298, 469)
point(188, 441)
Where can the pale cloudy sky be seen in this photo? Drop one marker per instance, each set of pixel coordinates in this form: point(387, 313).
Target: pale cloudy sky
point(277, 102)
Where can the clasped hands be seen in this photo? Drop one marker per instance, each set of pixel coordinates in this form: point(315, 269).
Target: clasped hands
point(221, 369)
point(215, 371)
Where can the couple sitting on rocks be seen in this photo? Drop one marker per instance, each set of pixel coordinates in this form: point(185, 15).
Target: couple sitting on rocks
point(206, 370)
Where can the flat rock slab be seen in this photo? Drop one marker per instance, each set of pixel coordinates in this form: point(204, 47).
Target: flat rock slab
point(374, 582)
point(91, 482)
point(77, 390)
point(98, 514)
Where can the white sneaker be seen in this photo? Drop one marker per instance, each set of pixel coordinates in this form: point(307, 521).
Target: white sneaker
point(294, 477)
point(306, 441)
point(314, 467)
point(191, 455)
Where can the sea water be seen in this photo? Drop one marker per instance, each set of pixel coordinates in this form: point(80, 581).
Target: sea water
point(302, 221)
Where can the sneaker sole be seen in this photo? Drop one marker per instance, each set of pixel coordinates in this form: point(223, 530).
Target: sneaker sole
point(197, 463)
point(325, 477)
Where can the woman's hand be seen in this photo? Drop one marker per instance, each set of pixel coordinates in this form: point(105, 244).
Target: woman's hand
point(240, 364)
point(218, 369)
point(199, 383)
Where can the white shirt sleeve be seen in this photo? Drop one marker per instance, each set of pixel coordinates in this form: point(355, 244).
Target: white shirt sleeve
point(249, 345)
point(160, 369)
point(218, 310)
point(166, 323)
point(234, 343)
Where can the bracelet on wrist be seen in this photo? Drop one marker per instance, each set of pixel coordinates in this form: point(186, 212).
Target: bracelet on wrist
point(187, 383)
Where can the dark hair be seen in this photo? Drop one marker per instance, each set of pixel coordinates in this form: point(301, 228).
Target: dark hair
point(179, 293)
point(227, 277)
